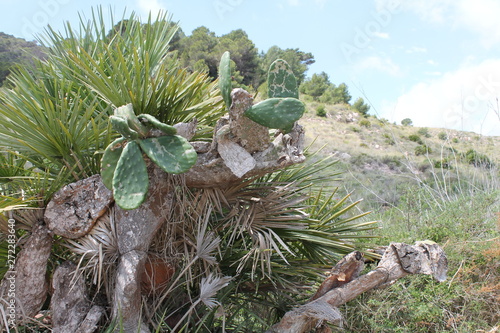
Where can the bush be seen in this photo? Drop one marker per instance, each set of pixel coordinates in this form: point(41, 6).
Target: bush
point(443, 164)
point(424, 131)
point(360, 106)
point(320, 111)
point(415, 138)
point(422, 150)
point(477, 159)
point(407, 122)
point(365, 123)
point(442, 136)
point(389, 139)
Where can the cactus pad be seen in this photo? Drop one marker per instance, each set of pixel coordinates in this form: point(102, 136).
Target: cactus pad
point(151, 121)
point(280, 80)
point(127, 112)
point(130, 181)
point(225, 78)
point(279, 113)
point(121, 126)
point(172, 153)
point(110, 160)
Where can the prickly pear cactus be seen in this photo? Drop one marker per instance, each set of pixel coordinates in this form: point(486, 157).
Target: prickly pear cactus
point(280, 113)
point(110, 160)
point(225, 78)
point(130, 181)
point(280, 80)
point(172, 153)
point(123, 168)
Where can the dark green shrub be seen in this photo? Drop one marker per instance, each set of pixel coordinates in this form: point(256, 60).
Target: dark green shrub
point(424, 131)
point(407, 122)
point(320, 111)
point(442, 136)
point(415, 138)
point(389, 139)
point(422, 150)
point(443, 164)
point(365, 123)
point(477, 159)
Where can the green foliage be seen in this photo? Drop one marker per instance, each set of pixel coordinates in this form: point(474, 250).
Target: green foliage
point(16, 51)
point(422, 150)
point(360, 106)
point(122, 164)
point(389, 139)
point(321, 111)
point(299, 61)
point(365, 123)
point(415, 138)
point(444, 163)
point(424, 131)
point(316, 85)
point(407, 122)
point(321, 89)
point(477, 159)
point(443, 136)
point(467, 301)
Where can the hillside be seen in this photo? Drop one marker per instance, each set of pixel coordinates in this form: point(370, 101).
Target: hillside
point(382, 156)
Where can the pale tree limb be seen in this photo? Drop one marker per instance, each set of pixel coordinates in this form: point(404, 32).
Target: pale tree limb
point(398, 261)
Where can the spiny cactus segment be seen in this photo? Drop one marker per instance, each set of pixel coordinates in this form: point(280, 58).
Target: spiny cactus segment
point(123, 168)
point(282, 109)
point(172, 153)
point(225, 78)
point(130, 182)
point(110, 160)
point(280, 80)
point(280, 113)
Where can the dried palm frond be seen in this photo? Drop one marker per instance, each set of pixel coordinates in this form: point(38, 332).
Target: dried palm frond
point(97, 252)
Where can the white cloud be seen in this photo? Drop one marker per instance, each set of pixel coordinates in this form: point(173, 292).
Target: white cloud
point(459, 100)
point(150, 6)
point(293, 2)
point(480, 16)
point(381, 64)
point(432, 62)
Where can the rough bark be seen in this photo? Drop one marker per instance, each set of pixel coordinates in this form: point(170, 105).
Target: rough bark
point(90, 323)
point(398, 261)
point(75, 208)
point(69, 303)
point(127, 297)
point(29, 275)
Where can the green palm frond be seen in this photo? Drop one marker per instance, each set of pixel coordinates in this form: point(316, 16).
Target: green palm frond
point(131, 64)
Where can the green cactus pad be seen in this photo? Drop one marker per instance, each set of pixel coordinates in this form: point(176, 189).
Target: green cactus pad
point(225, 78)
point(130, 182)
point(127, 112)
point(173, 153)
point(279, 113)
point(121, 126)
point(110, 160)
point(280, 80)
point(149, 120)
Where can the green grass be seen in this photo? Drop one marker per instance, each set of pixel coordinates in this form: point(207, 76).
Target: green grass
point(415, 198)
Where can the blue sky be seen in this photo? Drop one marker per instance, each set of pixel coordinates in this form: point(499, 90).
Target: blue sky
point(436, 62)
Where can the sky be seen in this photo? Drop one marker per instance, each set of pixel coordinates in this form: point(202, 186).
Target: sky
point(436, 62)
